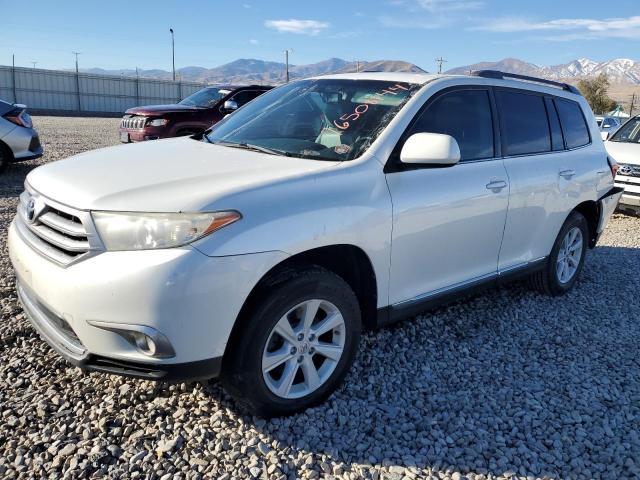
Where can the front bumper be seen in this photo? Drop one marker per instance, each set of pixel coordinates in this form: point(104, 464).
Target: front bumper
point(192, 299)
point(630, 199)
point(24, 144)
point(67, 345)
point(128, 135)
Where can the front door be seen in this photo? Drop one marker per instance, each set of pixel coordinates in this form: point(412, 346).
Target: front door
point(448, 222)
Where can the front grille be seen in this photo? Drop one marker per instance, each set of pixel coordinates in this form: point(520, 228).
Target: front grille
point(34, 144)
point(133, 122)
point(628, 170)
point(55, 231)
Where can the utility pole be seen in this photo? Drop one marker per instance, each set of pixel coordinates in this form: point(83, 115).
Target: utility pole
point(76, 54)
point(137, 87)
point(34, 64)
point(173, 54)
point(633, 104)
point(286, 64)
point(440, 61)
point(78, 81)
point(13, 77)
point(357, 65)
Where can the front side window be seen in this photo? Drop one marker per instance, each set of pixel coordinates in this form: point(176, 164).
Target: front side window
point(245, 96)
point(466, 116)
point(525, 128)
point(629, 132)
point(323, 119)
point(205, 98)
point(576, 133)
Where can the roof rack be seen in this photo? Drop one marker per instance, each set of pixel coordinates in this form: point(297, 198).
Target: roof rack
point(497, 74)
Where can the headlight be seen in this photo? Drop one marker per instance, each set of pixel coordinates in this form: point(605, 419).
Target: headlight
point(157, 122)
point(144, 231)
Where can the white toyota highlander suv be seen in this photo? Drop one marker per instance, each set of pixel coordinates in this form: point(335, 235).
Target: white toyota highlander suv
point(259, 251)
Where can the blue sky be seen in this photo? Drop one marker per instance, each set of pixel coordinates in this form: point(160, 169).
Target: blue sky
point(125, 34)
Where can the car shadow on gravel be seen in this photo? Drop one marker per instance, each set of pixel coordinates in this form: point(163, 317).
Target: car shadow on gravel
point(507, 383)
point(12, 180)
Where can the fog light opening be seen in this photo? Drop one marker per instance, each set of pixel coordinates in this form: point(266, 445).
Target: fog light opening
point(144, 343)
point(147, 340)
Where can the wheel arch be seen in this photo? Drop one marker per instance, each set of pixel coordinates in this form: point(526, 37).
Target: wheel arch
point(347, 261)
point(591, 212)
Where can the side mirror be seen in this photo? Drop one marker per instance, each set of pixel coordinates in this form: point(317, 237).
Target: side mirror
point(229, 106)
point(430, 149)
point(604, 135)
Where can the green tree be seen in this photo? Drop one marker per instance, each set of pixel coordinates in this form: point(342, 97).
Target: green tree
point(594, 91)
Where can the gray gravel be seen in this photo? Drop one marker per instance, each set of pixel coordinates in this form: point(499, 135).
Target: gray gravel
point(509, 384)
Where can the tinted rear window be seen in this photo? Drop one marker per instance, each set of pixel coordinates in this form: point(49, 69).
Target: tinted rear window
point(525, 128)
point(576, 133)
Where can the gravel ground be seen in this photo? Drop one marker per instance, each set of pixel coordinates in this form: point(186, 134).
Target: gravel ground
point(509, 384)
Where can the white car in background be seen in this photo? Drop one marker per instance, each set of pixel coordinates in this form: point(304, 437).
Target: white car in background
point(607, 125)
point(258, 251)
point(624, 148)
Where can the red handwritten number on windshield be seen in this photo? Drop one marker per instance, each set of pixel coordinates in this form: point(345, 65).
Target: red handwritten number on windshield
point(360, 109)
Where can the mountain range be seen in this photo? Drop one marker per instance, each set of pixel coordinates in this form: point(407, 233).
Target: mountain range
point(260, 71)
point(619, 71)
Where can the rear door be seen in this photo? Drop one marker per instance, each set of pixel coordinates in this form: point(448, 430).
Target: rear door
point(448, 221)
point(549, 170)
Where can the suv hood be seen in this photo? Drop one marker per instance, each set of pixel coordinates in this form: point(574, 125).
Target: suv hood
point(160, 109)
point(172, 175)
point(624, 152)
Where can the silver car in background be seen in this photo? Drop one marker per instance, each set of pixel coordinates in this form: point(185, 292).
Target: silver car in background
point(18, 139)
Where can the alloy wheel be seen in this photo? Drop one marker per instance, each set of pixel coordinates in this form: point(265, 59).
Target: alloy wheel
point(303, 349)
point(569, 255)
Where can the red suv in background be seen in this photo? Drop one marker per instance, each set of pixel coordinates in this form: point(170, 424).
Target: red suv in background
point(192, 115)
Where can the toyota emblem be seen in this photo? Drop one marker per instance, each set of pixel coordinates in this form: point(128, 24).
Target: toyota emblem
point(31, 210)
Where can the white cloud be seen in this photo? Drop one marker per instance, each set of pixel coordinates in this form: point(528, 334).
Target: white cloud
point(403, 22)
point(438, 6)
point(246, 5)
point(305, 27)
point(253, 41)
point(568, 28)
point(428, 14)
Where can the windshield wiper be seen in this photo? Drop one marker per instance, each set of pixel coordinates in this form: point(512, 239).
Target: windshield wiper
point(250, 146)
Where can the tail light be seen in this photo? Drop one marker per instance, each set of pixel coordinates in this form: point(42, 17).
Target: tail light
point(20, 117)
point(613, 165)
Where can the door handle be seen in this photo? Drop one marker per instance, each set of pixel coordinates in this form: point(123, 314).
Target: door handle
point(496, 185)
point(567, 173)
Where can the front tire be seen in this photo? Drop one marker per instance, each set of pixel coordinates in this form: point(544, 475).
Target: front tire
point(566, 259)
point(296, 345)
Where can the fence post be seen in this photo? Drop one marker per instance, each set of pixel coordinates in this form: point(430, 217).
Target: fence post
point(78, 90)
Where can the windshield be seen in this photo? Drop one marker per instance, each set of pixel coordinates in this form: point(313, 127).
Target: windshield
point(207, 97)
point(629, 132)
point(326, 119)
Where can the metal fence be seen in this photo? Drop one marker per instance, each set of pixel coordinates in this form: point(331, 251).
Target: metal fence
point(60, 91)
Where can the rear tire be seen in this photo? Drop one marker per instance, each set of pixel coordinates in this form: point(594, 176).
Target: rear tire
point(566, 259)
point(270, 374)
point(5, 157)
